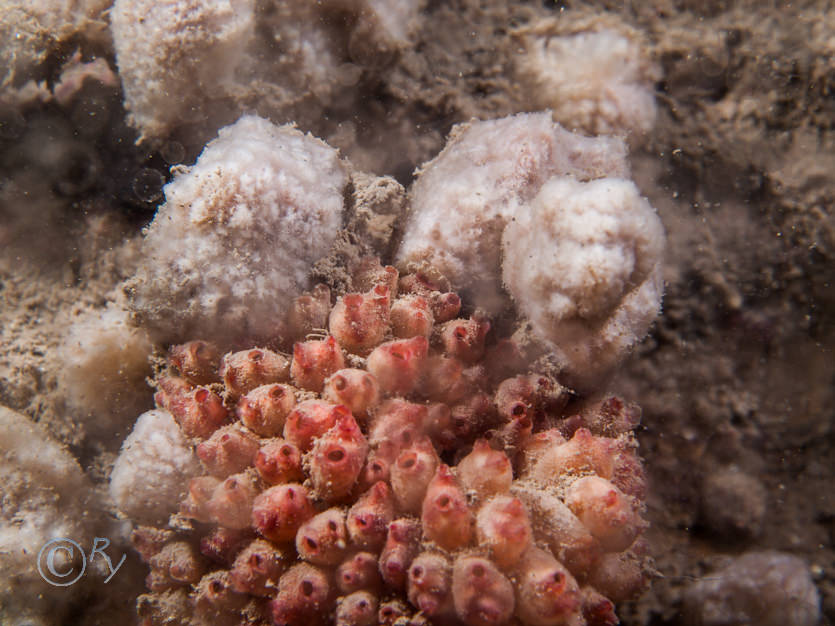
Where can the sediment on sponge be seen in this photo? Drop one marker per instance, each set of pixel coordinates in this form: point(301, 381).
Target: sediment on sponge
point(547, 223)
point(414, 485)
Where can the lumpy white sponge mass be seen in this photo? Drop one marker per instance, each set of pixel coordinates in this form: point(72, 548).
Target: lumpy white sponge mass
point(189, 67)
point(485, 176)
point(238, 233)
point(105, 362)
point(174, 55)
point(600, 82)
point(583, 265)
point(521, 207)
point(147, 481)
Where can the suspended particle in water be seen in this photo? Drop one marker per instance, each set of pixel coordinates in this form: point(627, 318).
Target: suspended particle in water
point(147, 184)
point(173, 152)
point(91, 114)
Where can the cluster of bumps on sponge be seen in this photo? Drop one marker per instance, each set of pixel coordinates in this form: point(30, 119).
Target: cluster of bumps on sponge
point(402, 467)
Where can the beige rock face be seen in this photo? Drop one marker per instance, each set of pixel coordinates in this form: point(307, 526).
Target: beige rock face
point(44, 496)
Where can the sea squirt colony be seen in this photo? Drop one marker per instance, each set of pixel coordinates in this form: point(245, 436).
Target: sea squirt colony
point(404, 467)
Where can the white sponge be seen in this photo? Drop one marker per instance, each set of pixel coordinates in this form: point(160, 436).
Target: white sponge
point(151, 474)
point(484, 177)
point(583, 265)
point(238, 234)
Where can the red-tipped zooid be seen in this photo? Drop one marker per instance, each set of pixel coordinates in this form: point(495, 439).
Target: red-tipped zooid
point(304, 597)
point(483, 596)
point(314, 361)
point(445, 516)
point(397, 425)
point(486, 471)
point(214, 599)
point(411, 474)
point(357, 572)
point(323, 539)
point(355, 388)
point(309, 312)
point(464, 339)
point(196, 361)
point(231, 502)
point(398, 365)
point(200, 492)
point(337, 458)
point(359, 321)
point(199, 412)
point(310, 420)
point(411, 316)
point(178, 563)
point(547, 592)
point(606, 511)
point(369, 518)
point(279, 461)
point(258, 568)
point(278, 512)
point(402, 545)
point(264, 409)
point(504, 528)
point(229, 450)
point(245, 370)
point(222, 545)
point(357, 609)
point(430, 586)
